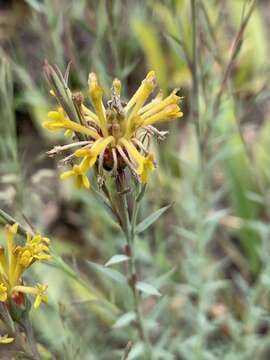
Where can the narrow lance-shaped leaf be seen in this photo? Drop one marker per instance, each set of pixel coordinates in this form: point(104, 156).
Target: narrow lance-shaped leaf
point(125, 319)
point(148, 289)
point(116, 259)
point(151, 219)
point(110, 273)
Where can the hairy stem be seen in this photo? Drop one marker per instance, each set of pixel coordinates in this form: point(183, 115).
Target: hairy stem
point(129, 227)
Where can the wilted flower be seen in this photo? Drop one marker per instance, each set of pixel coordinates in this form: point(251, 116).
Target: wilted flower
point(15, 260)
point(112, 136)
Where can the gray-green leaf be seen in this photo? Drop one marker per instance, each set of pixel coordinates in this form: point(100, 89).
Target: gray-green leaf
point(111, 273)
point(116, 259)
point(151, 219)
point(125, 319)
point(147, 288)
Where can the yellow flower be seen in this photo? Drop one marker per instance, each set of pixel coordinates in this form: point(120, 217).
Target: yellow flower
point(16, 259)
point(5, 339)
point(81, 180)
point(58, 121)
point(38, 292)
point(145, 165)
point(3, 292)
point(118, 134)
point(96, 93)
point(36, 248)
point(145, 168)
point(90, 158)
point(41, 297)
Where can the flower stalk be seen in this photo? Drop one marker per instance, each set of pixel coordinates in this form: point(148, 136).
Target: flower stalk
point(129, 230)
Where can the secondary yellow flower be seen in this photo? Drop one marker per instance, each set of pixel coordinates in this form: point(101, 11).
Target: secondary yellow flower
point(15, 260)
point(5, 339)
point(116, 135)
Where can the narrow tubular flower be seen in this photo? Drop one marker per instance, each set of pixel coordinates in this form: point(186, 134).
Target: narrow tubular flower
point(58, 121)
point(81, 180)
point(145, 165)
point(16, 259)
point(96, 93)
point(118, 134)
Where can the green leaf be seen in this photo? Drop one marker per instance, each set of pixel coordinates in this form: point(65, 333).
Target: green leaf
point(125, 319)
point(150, 43)
point(110, 273)
point(147, 288)
point(116, 259)
point(151, 219)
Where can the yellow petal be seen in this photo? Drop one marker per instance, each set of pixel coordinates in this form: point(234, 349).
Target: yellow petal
point(67, 174)
point(3, 292)
point(25, 258)
point(117, 86)
point(11, 231)
point(41, 296)
point(171, 112)
point(145, 168)
point(3, 261)
point(5, 339)
point(85, 181)
point(171, 99)
point(96, 94)
point(145, 165)
point(54, 115)
point(68, 133)
point(141, 95)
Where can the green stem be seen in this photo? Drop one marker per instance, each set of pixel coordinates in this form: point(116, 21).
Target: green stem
point(5, 218)
point(31, 340)
point(129, 227)
point(195, 82)
point(17, 335)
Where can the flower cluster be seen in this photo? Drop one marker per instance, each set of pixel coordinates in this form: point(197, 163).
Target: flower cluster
point(15, 260)
point(110, 137)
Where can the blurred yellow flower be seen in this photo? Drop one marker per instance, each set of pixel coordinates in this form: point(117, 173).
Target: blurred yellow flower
point(15, 260)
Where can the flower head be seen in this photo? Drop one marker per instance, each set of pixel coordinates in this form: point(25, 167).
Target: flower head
point(15, 260)
point(116, 135)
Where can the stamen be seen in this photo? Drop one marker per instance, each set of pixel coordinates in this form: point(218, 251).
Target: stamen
point(115, 162)
point(125, 158)
point(101, 162)
point(138, 143)
point(59, 149)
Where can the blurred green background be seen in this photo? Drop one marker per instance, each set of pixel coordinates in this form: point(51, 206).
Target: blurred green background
point(209, 253)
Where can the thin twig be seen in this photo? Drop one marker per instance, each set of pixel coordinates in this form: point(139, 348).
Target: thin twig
point(127, 350)
point(194, 72)
point(7, 219)
point(233, 52)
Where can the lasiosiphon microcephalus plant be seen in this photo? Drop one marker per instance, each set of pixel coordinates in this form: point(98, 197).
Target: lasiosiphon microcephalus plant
point(111, 137)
